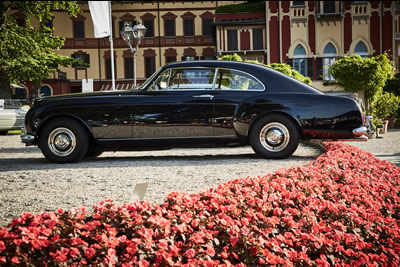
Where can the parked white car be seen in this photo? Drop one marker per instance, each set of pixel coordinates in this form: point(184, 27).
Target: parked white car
point(12, 118)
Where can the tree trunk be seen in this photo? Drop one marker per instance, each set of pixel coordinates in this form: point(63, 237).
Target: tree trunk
point(5, 92)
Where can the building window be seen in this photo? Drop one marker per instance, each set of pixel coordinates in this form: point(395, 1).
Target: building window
point(361, 49)
point(329, 7)
point(208, 57)
point(45, 90)
point(170, 59)
point(128, 68)
point(258, 39)
point(300, 60)
point(149, 24)
point(298, 3)
point(108, 69)
point(207, 27)
point(82, 56)
point(328, 60)
point(169, 27)
point(79, 29)
point(189, 58)
point(188, 27)
point(150, 66)
point(232, 40)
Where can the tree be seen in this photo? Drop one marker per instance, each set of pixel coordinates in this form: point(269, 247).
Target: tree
point(369, 74)
point(284, 68)
point(27, 53)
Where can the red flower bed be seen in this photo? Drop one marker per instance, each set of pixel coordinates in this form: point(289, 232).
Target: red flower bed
point(343, 208)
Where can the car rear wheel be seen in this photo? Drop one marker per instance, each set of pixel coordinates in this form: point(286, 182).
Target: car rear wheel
point(274, 137)
point(63, 141)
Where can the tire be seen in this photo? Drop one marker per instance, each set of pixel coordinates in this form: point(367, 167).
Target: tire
point(3, 132)
point(94, 153)
point(274, 137)
point(64, 141)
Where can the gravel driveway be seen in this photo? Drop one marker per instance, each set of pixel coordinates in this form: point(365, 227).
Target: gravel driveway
point(30, 183)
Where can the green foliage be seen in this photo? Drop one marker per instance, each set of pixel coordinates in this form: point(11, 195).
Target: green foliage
point(27, 53)
point(250, 6)
point(393, 85)
point(234, 57)
point(369, 74)
point(385, 105)
point(284, 68)
point(287, 70)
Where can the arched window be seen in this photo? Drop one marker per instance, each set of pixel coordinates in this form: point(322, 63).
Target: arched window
point(329, 58)
point(299, 59)
point(361, 49)
point(45, 90)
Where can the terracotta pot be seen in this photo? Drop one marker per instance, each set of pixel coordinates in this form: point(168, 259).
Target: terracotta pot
point(385, 127)
point(391, 122)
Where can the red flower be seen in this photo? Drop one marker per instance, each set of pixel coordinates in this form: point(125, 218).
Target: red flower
point(190, 253)
point(89, 252)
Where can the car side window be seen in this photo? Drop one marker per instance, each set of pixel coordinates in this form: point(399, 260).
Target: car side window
point(184, 79)
point(236, 80)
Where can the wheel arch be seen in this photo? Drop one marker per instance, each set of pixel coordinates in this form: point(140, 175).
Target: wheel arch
point(271, 113)
point(70, 116)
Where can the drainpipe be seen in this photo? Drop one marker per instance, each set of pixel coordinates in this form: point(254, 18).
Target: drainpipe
point(159, 32)
point(279, 32)
point(266, 33)
point(382, 29)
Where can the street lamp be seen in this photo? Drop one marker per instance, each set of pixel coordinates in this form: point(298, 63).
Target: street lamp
point(130, 34)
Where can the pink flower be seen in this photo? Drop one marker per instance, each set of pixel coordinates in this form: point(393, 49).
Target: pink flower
point(89, 252)
point(190, 253)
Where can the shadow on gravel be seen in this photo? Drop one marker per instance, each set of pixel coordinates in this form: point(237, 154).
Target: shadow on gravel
point(25, 150)
point(24, 164)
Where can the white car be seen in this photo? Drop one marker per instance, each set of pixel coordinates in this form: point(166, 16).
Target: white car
point(12, 118)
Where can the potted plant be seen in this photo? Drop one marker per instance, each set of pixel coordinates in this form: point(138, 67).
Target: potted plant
point(385, 105)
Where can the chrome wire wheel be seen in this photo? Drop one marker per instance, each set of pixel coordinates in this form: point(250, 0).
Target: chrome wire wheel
point(274, 137)
point(61, 142)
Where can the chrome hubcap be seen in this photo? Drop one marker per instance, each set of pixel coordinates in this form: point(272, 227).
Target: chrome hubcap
point(61, 142)
point(274, 137)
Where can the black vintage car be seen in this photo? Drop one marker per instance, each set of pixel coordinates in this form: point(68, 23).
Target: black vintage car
point(193, 104)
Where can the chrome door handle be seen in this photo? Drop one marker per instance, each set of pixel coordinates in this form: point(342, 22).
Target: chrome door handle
point(203, 96)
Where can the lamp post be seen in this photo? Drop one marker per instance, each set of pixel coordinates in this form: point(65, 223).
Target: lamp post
point(130, 34)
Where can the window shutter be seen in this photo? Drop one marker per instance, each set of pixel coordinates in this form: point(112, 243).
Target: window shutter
point(319, 68)
point(310, 68)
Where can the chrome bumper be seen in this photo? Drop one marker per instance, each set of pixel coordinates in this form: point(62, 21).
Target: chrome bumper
point(27, 139)
point(366, 130)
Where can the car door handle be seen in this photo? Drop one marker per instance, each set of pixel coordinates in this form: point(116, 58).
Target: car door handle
point(205, 96)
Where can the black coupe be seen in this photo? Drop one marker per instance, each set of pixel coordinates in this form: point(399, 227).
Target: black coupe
point(193, 104)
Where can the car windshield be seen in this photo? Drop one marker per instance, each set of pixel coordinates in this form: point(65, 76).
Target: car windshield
point(149, 80)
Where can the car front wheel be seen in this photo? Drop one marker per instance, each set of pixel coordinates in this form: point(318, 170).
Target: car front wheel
point(274, 137)
point(63, 141)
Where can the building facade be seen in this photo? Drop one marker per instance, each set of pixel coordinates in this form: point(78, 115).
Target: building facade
point(308, 35)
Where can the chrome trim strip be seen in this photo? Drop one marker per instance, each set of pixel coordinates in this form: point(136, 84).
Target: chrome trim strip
point(170, 138)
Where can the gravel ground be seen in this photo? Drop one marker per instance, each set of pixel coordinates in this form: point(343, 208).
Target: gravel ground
point(30, 183)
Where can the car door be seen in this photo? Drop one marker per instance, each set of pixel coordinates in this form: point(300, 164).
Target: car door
point(178, 105)
point(232, 87)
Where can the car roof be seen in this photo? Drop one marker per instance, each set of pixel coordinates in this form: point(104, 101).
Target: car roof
point(274, 81)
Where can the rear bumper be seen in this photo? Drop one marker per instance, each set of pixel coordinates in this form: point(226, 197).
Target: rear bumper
point(366, 130)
